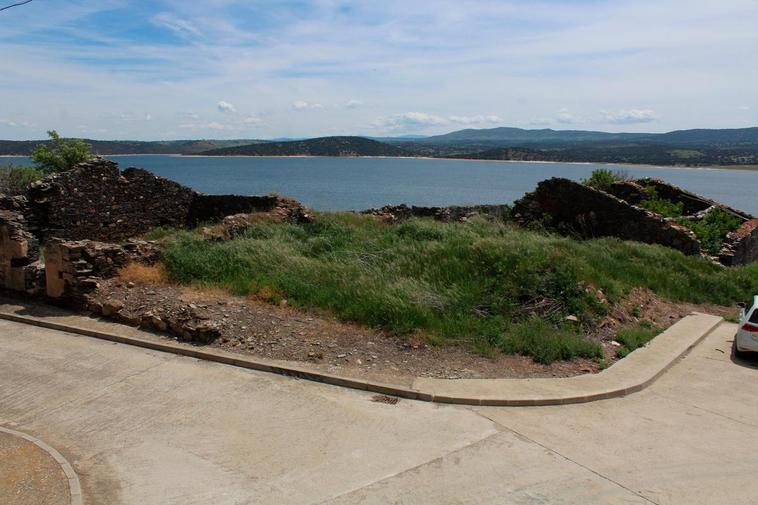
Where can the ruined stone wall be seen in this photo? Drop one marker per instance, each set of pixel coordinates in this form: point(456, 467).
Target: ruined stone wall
point(72, 268)
point(95, 201)
point(212, 208)
point(579, 210)
point(19, 255)
point(455, 213)
point(692, 203)
point(741, 245)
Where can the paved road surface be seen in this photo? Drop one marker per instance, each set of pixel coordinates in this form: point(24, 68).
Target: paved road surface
point(142, 428)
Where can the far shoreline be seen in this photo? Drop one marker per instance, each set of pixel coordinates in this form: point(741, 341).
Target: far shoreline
point(748, 168)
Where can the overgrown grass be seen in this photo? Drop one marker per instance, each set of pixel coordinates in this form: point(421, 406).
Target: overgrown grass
point(662, 206)
point(635, 337)
point(481, 283)
point(14, 179)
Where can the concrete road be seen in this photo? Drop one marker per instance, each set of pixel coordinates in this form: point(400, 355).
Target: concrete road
point(142, 427)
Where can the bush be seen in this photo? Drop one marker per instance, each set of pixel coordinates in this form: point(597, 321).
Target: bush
point(14, 180)
point(602, 179)
point(64, 154)
point(713, 229)
point(665, 208)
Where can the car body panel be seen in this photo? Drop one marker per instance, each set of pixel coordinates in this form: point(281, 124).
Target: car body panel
point(746, 339)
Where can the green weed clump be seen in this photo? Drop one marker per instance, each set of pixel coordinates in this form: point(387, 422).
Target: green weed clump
point(662, 206)
point(546, 343)
point(713, 228)
point(635, 337)
point(483, 284)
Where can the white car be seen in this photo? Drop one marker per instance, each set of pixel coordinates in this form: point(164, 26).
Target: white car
point(747, 334)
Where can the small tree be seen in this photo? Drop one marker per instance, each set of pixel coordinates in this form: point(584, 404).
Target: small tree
point(601, 179)
point(64, 154)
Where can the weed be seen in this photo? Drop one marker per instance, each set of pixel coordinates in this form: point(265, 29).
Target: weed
point(479, 283)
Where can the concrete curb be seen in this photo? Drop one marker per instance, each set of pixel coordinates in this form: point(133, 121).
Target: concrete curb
point(630, 375)
point(74, 488)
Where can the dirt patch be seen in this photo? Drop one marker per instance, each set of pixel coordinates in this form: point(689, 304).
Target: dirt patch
point(256, 328)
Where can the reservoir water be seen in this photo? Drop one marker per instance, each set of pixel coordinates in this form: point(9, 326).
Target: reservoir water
point(360, 183)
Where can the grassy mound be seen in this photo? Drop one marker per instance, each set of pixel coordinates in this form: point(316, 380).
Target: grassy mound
point(481, 283)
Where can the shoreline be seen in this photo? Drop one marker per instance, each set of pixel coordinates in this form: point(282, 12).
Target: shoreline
point(748, 168)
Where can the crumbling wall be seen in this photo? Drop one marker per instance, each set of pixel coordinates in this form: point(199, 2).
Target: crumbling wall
point(72, 268)
point(575, 209)
point(741, 245)
point(19, 255)
point(455, 213)
point(692, 203)
point(95, 201)
point(212, 208)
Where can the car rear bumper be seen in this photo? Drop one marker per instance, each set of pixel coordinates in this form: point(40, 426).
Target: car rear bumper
point(745, 342)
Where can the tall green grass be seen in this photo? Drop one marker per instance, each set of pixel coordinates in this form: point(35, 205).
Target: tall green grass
point(481, 283)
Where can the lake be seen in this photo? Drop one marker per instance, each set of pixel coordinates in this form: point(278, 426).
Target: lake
point(360, 183)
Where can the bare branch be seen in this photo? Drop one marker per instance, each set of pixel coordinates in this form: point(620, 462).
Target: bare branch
point(14, 5)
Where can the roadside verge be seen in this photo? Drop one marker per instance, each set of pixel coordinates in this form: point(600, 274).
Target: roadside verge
point(629, 375)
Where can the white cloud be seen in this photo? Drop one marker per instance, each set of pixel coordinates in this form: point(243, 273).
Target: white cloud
point(252, 120)
point(353, 104)
point(225, 107)
point(11, 122)
point(409, 121)
point(565, 117)
point(175, 24)
point(472, 120)
point(213, 125)
point(303, 105)
point(629, 116)
point(132, 117)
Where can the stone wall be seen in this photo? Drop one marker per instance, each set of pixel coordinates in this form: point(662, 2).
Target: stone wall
point(213, 208)
point(72, 268)
point(692, 202)
point(741, 245)
point(578, 210)
point(95, 201)
point(455, 213)
point(19, 255)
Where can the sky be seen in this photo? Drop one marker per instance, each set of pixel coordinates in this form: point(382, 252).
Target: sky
point(180, 69)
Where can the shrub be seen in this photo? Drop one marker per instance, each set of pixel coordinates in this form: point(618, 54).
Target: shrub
point(713, 228)
point(602, 179)
point(14, 180)
point(63, 155)
point(662, 206)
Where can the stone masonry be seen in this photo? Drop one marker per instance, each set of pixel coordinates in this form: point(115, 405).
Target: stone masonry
point(579, 210)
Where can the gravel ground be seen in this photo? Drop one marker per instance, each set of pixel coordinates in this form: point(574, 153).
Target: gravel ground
point(280, 332)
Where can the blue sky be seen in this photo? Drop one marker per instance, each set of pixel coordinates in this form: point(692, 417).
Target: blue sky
point(261, 69)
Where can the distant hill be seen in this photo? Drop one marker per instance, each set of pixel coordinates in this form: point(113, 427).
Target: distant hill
point(509, 137)
point(324, 146)
point(105, 147)
point(517, 136)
